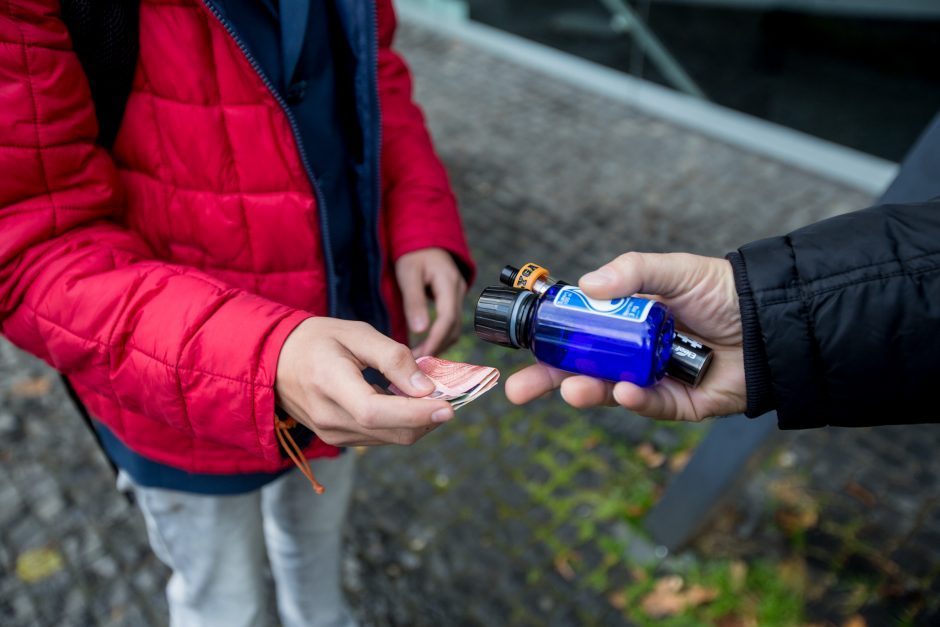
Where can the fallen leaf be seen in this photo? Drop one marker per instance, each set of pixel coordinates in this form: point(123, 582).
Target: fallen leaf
point(563, 566)
point(679, 461)
point(737, 573)
point(664, 600)
point(650, 456)
point(861, 493)
point(617, 599)
point(700, 595)
point(736, 620)
point(38, 564)
point(590, 442)
point(793, 572)
point(790, 491)
point(856, 620)
point(668, 598)
point(34, 387)
point(796, 519)
point(639, 575)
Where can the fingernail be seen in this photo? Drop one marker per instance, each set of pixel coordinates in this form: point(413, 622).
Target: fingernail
point(442, 415)
point(421, 381)
point(598, 278)
point(418, 324)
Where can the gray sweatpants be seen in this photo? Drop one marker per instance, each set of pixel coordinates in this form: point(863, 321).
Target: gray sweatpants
point(216, 547)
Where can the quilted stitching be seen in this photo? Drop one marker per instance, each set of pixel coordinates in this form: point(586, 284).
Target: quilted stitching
point(164, 277)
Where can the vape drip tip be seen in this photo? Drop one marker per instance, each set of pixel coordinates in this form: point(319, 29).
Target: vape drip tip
point(531, 277)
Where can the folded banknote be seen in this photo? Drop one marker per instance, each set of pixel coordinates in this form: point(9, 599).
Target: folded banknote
point(455, 382)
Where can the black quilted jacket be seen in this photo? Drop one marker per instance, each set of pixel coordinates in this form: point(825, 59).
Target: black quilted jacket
point(842, 319)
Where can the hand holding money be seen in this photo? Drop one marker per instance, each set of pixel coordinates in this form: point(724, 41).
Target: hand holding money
point(454, 382)
point(320, 384)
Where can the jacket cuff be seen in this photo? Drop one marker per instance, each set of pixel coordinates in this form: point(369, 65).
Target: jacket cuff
point(757, 376)
point(264, 395)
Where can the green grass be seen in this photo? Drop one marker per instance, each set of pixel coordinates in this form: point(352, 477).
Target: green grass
point(581, 483)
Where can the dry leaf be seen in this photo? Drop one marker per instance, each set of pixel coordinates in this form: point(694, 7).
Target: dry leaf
point(856, 620)
point(735, 620)
point(38, 564)
point(650, 456)
point(590, 442)
point(737, 572)
point(617, 599)
point(34, 387)
point(861, 493)
point(700, 595)
point(791, 491)
point(679, 461)
point(640, 575)
point(793, 572)
point(665, 599)
point(563, 566)
point(796, 519)
point(668, 597)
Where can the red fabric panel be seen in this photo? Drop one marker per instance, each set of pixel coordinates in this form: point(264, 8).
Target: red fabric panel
point(164, 277)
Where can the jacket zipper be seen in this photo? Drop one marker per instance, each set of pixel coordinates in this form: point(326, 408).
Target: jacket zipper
point(382, 310)
point(321, 202)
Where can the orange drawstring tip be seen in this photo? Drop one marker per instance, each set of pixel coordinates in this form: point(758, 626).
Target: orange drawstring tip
point(282, 429)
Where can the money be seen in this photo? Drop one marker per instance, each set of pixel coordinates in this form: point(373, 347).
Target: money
point(454, 382)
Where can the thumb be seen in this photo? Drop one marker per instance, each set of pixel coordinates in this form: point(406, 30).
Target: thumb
point(664, 275)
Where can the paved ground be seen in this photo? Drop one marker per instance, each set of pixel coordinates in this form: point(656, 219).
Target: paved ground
point(529, 516)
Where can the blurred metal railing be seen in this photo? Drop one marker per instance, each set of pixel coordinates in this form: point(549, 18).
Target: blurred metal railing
point(906, 9)
point(627, 21)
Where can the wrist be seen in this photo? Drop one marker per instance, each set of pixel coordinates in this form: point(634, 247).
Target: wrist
point(292, 348)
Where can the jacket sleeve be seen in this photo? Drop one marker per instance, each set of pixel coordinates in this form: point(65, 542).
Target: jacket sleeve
point(420, 207)
point(84, 293)
point(842, 319)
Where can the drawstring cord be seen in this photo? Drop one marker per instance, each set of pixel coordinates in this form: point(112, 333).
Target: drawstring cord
point(282, 429)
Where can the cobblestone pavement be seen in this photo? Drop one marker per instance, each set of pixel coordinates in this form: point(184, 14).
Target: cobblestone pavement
point(529, 516)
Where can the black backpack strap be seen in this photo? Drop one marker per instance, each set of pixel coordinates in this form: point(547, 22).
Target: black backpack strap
point(105, 35)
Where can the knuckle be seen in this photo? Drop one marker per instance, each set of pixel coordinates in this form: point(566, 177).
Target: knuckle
point(358, 327)
point(333, 438)
point(367, 417)
point(399, 356)
point(629, 259)
point(407, 437)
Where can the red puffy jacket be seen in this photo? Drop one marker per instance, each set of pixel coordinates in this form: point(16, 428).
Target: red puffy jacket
point(163, 277)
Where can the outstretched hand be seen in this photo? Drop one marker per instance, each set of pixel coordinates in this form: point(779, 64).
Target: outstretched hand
point(700, 291)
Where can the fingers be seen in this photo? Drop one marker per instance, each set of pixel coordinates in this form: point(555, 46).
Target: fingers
point(665, 275)
point(411, 283)
point(349, 391)
point(532, 382)
point(582, 392)
point(376, 437)
point(666, 401)
point(447, 300)
point(392, 359)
